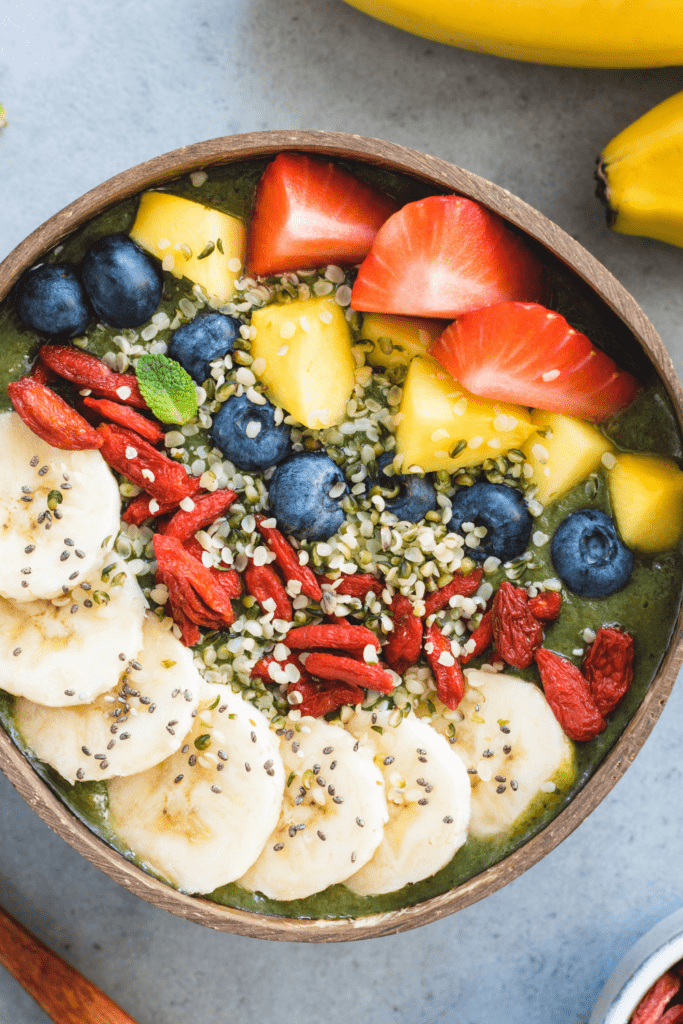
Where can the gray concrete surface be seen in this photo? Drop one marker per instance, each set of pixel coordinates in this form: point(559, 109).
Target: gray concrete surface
point(92, 89)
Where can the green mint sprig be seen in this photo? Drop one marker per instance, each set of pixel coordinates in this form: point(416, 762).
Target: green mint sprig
point(167, 388)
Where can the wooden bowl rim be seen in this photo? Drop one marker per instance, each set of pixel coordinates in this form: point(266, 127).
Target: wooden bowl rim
point(443, 175)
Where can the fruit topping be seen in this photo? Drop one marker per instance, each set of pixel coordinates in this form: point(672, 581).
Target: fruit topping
point(88, 372)
point(498, 512)
point(448, 675)
point(461, 584)
point(123, 284)
point(564, 452)
point(196, 344)
point(309, 213)
point(192, 241)
point(608, 668)
point(569, 697)
point(136, 459)
point(263, 583)
point(247, 433)
point(305, 493)
point(443, 256)
point(51, 299)
point(287, 560)
point(302, 352)
point(517, 633)
point(646, 494)
point(396, 339)
point(405, 639)
point(523, 352)
point(589, 556)
point(415, 496)
point(443, 426)
point(50, 418)
point(125, 417)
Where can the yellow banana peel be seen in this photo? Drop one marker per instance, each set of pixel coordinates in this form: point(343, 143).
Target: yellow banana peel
point(640, 175)
point(578, 33)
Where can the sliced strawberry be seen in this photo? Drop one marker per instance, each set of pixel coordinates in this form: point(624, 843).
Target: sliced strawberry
point(442, 256)
point(527, 354)
point(309, 213)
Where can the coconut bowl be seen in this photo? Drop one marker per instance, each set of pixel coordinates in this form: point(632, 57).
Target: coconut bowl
point(615, 308)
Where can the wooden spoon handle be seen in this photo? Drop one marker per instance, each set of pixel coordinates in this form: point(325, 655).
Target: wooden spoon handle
point(57, 987)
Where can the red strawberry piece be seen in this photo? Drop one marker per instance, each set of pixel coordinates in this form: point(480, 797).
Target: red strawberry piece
point(309, 212)
point(50, 418)
point(524, 353)
point(443, 256)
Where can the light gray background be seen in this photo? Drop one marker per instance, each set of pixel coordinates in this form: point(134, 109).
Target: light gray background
point(91, 89)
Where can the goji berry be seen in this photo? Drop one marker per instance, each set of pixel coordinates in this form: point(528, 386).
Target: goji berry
point(50, 417)
point(326, 699)
point(138, 510)
point(464, 585)
point(482, 636)
point(262, 668)
point(227, 579)
point(653, 1003)
point(126, 417)
point(87, 371)
point(674, 1015)
point(357, 585)
point(516, 632)
point(341, 638)
point(41, 373)
point(287, 559)
point(207, 508)
point(346, 670)
point(569, 697)
point(449, 678)
point(608, 668)
point(189, 631)
point(264, 584)
point(405, 640)
point(191, 586)
point(546, 607)
point(136, 459)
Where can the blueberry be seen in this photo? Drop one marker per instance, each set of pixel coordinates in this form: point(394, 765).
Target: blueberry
point(247, 434)
point(416, 496)
point(588, 555)
point(51, 299)
point(122, 282)
point(504, 513)
point(209, 336)
point(300, 496)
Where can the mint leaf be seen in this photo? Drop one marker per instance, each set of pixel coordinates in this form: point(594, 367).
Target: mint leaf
point(167, 388)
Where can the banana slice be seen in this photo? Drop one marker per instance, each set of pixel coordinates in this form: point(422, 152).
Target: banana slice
point(428, 794)
point(129, 729)
point(42, 550)
point(202, 816)
point(70, 650)
point(332, 817)
point(511, 744)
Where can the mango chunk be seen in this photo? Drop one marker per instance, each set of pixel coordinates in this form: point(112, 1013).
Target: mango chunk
point(646, 492)
point(192, 241)
point(438, 414)
point(562, 460)
point(309, 367)
point(397, 339)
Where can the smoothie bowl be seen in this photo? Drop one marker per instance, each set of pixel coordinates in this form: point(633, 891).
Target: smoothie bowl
point(341, 554)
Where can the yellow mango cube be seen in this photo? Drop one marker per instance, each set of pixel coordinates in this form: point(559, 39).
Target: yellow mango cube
point(192, 241)
point(302, 352)
point(646, 493)
point(438, 414)
point(409, 336)
point(573, 450)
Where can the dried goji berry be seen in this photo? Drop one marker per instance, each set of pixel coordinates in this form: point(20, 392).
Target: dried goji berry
point(264, 584)
point(207, 508)
point(326, 699)
point(50, 417)
point(189, 631)
point(464, 585)
point(516, 632)
point(448, 675)
point(42, 374)
point(650, 1008)
point(191, 585)
point(405, 640)
point(672, 1016)
point(287, 559)
point(608, 667)
point(126, 417)
point(482, 636)
point(136, 459)
point(357, 585)
point(262, 668)
point(340, 638)
point(546, 607)
point(568, 695)
point(87, 371)
point(138, 510)
point(346, 670)
point(227, 579)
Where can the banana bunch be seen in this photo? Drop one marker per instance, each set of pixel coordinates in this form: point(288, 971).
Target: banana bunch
point(602, 34)
point(640, 173)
